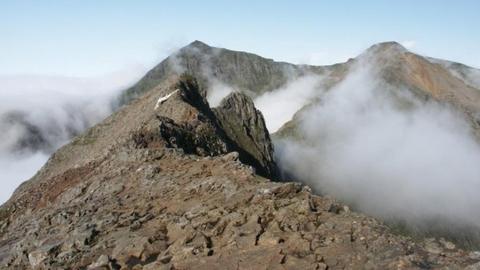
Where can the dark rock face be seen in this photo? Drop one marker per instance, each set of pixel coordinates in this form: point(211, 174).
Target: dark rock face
point(244, 124)
point(200, 139)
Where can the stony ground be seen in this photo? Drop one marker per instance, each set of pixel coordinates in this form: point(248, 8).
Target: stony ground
point(125, 196)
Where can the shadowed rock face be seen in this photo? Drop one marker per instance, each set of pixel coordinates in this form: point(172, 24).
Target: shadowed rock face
point(156, 187)
point(244, 124)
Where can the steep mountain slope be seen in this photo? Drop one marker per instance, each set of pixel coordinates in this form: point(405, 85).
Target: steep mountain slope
point(156, 186)
point(243, 71)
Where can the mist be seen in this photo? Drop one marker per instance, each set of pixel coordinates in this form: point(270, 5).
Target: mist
point(217, 91)
point(279, 106)
point(38, 114)
point(384, 152)
point(473, 77)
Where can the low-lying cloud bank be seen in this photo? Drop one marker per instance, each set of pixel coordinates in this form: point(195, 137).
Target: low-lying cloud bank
point(38, 114)
point(472, 77)
point(384, 152)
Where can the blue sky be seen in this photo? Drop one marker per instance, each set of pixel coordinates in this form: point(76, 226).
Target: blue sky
point(93, 38)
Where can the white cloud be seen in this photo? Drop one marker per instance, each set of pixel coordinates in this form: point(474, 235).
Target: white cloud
point(279, 106)
point(217, 91)
point(409, 44)
point(14, 171)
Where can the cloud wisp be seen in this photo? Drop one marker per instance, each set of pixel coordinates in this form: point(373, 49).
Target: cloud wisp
point(279, 106)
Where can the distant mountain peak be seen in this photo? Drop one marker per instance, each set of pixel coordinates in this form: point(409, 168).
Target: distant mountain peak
point(389, 45)
point(199, 45)
point(386, 47)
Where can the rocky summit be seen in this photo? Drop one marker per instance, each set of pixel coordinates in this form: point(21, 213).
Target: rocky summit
point(169, 183)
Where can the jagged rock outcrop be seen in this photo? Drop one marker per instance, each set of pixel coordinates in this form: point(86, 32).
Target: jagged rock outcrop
point(197, 129)
point(245, 125)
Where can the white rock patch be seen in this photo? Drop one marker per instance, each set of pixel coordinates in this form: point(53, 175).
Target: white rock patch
point(164, 98)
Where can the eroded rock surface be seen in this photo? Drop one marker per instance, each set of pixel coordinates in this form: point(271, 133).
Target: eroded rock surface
point(245, 125)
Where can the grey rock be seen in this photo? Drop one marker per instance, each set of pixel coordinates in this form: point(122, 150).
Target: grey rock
point(37, 257)
point(103, 261)
point(245, 126)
